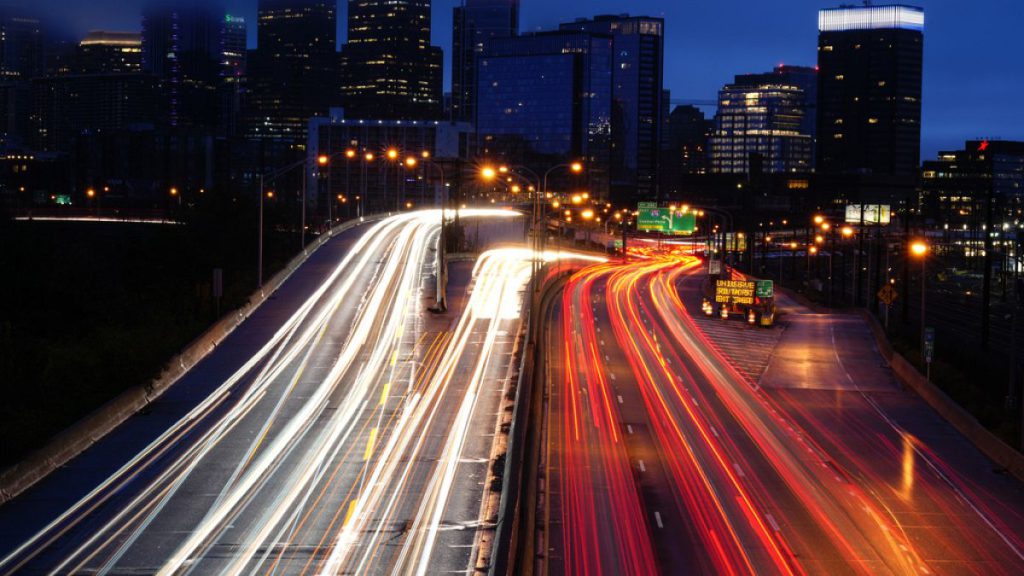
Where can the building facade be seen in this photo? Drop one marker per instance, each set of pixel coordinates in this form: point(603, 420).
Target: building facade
point(686, 147)
point(759, 127)
point(389, 69)
point(360, 178)
point(293, 73)
point(474, 24)
point(545, 99)
point(109, 52)
point(637, 79)
point(957, 186)
point(869, 90)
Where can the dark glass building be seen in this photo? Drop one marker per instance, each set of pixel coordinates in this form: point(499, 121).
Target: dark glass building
point(293, 73)
point(475, 23)
point(686, 147)
point(869, 90)
point(21, 59)
point(389, 69)
point(637, 78)
point(761, 123)
point(545, 99)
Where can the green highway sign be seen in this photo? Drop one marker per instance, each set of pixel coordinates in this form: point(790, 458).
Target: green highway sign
point(651, 218)
point(765, 289)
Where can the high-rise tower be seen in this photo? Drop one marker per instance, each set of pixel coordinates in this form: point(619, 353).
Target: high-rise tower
point(475, 23)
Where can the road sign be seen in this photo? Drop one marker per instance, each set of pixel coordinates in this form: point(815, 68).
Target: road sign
point(735, 292)
point(887, 295)
point(714, 267)
point(651, 218)
point(929, 344)
point(765, 289)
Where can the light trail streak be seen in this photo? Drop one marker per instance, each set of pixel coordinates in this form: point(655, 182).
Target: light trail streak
point(405, 240)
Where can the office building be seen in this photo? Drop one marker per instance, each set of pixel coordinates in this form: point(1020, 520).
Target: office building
point(103, 52)
point(869, 90)
point(637, 79)
point(686, 147)
point(760, 126)
point(21, 59)
point(474, 24)
point(357, 184)
point(545, 99)
point(957, 186)
point(389, 69)
point(293, 73)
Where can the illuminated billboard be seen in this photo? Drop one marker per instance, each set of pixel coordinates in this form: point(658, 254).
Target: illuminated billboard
point(874, 214)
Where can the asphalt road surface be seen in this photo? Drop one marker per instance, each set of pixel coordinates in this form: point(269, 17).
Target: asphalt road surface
point(663, 456)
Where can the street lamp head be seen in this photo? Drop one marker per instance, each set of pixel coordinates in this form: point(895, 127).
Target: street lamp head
point(587, 214)
point(503, 169)
point(793, 245)
point(577, 199)
point(576, 167)
point(847, 231)
point(819, 239)
point(814, 249)
point(392, 154)
point(826, 226)
point(270, 193)
point(425, 154)
point(516, 189)
point(350, 153)
point(488, 173)
point(556, 204)
point(369, 157)
point(90, 192)
point(819, 219)
point(919, 248)
point(174, 191)
point(411, 161)
point(322, 160)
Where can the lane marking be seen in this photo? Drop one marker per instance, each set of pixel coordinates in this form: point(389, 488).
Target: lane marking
point(657, 518)
point(370, 443)
point(642, 467)
point(351, 509)
point(629, 428)
point(771, 520)
point(384, 393)
point(620, 398)
point(739, 470)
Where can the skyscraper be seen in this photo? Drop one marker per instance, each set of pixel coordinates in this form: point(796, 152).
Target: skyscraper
point(869, 90)
point(21, 59)
point(759, 127)
point(545, 99)
point(293, 72)
point(389, 69)
point(474, 24)
point(638, 78)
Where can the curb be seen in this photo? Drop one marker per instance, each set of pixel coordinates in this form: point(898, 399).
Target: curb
point(966, 424)
point(80, 436)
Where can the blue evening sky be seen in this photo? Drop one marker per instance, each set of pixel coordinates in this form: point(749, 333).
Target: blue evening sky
point(974, 50)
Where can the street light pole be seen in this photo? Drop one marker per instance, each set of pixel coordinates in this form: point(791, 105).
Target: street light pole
point(259, 266)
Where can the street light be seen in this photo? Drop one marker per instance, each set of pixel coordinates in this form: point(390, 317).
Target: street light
point(488, 173)
point(919, 249)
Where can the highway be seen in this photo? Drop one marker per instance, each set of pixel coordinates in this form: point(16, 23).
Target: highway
point(662, 457)
point(342, 429)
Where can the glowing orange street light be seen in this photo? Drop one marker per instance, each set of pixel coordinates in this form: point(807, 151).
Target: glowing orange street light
point(819, 239)
point(503, 169)
point(587, 214)
point(350, 153)
point(793, 245)
point(576, 167)
point(826, 226)
point(847, 231)
point(488, 173)
point(556, 204)
point(819, 219)
point(919, 248)
point(90, 193)
point(174, 191)
point(322, 160)
point(425, 154)
point(814, 249)
point(270, 193)
point(577, 199)
point(392, 154)
point(411, 161)
point(516, 189)
point(369, 157)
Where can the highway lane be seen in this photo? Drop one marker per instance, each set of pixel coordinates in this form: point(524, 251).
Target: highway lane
point(755, 485)
point(281, 467)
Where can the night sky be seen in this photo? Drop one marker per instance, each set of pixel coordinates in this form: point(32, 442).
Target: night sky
point(973, 77)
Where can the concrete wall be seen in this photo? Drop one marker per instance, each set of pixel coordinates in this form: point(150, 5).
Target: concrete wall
point(987, 442)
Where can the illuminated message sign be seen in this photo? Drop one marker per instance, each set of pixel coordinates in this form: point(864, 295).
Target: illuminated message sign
point(735, 292)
